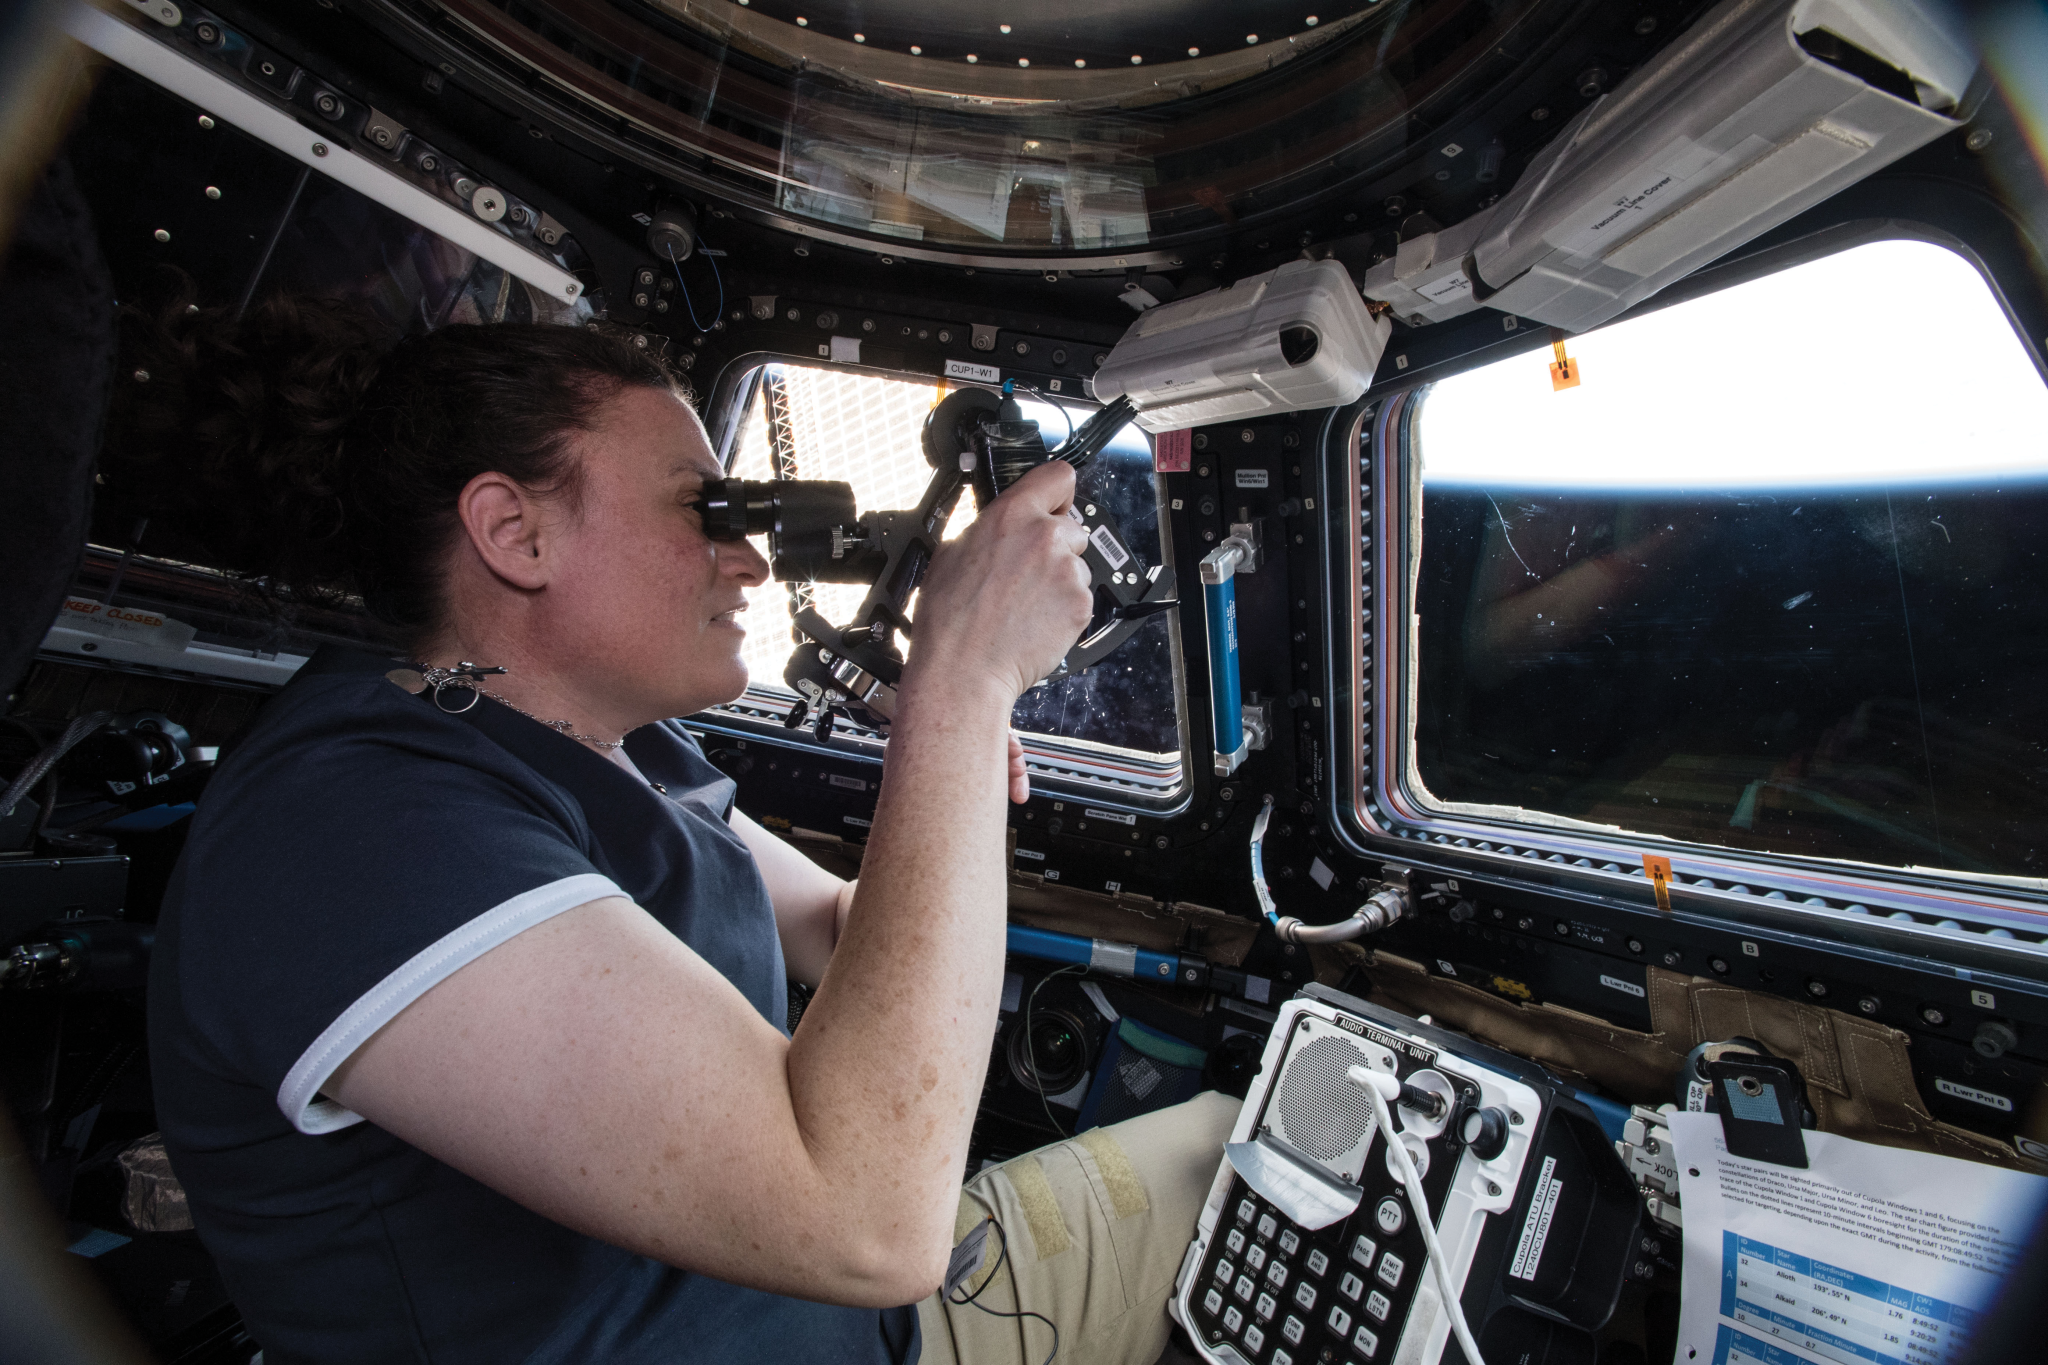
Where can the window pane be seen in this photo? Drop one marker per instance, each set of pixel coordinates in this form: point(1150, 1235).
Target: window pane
point(868, 432)
point(1774, 576)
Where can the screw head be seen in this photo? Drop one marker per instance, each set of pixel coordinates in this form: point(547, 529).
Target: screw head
point(1635, 945)
point(1978, 140)
point(161, 235)
point(1671, 958)
point(1934, 1015)
point(1868, 1004)
point(206, 120)
point(1719, 965)
point(319, 149)
point(1817, 989)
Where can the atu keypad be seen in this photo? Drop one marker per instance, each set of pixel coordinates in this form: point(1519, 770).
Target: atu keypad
point(1282, 1296)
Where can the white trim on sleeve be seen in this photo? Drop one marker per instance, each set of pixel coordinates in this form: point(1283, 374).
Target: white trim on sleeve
point(299, 1097)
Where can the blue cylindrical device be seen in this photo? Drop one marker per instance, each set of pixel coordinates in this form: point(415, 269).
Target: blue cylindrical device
point(1226, 705)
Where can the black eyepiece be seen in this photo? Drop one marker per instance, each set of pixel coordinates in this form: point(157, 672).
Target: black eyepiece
point(733, 511)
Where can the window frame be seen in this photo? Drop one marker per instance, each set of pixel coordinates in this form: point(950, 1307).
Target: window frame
point(1373, 490)
point(1097, 774)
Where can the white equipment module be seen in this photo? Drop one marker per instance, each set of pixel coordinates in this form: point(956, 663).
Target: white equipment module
point(1761, 110)
point(1293, 338)
point(1308, 1249)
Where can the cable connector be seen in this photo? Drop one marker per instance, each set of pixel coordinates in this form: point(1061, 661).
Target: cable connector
point(1381, 909)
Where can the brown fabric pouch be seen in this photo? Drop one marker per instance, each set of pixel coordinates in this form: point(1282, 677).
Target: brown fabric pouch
point(1857, 1073)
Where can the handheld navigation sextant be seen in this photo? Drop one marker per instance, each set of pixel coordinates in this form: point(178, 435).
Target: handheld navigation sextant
point(973, 438)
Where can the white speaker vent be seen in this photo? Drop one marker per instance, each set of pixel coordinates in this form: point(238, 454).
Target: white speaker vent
point(1322, 1112)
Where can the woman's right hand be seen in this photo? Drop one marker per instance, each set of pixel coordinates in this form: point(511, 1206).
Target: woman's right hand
point(1006, 601)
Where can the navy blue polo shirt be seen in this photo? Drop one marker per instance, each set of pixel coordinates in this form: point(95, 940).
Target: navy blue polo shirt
point(357, 847)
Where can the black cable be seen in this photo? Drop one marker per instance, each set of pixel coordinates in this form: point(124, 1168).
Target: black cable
point(43, 762)
point(1031, 1052)
point(720, 310)
point(1002, 1255)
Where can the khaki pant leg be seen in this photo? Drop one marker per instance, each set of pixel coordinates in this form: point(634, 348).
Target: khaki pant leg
point(1097, 1227)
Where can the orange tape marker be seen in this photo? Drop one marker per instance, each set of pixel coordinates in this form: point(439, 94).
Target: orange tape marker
point(1564, 374)
point(1659, 870)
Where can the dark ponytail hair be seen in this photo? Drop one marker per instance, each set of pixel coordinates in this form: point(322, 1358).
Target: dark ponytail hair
point(299, 444)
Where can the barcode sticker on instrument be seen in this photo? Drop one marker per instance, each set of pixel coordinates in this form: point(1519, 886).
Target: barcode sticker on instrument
point(1536, 1230)
point(1105, 541)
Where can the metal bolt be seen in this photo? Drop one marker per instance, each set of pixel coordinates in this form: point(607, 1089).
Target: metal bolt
point(213, 191)
point(206, 120)
point(1247, 436)
point(1492, 1188)
point(1671, 958)
point(1635, 945)
point(1868, 1004)
point(1934, 1015)
point(1514, 1117)
point(1719, 964)
point(319, 149)
point(1978, 140)
point(1159, 841)
point(327, 104)
point(142, 376)
point(161, 235)
point(1817, 989)
point(430, 162)
point(1202, 443)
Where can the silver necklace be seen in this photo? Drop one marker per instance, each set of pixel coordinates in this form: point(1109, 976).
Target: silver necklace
point(449, 684)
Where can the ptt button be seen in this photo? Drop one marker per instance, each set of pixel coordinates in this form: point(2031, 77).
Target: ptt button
point(1246, 1211)
point(1390, 1216)
point(1305, 1294)
point(1318, 1262)
point(1365, 1343)
point(1290, 1241)
point(1276, 1274)
point(1244, 1288)
point(1379, 1305)
point(1293, 1329)
point(1213, 1302)
point(1363, 1250)
point(1255, 1258)
point(1224, 1270)
point(1268, 1226)
point(1233, 1319)
point(1350, 1286)
point(1266, 1307)
point(1254, 1338)
point(1340, 1321)
point(1235, 1241)
point(1390, 1270)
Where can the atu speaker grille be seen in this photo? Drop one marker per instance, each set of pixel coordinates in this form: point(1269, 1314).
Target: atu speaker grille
point(1324, 1113)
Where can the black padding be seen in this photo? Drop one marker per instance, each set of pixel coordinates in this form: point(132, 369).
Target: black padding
point(56, 362)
